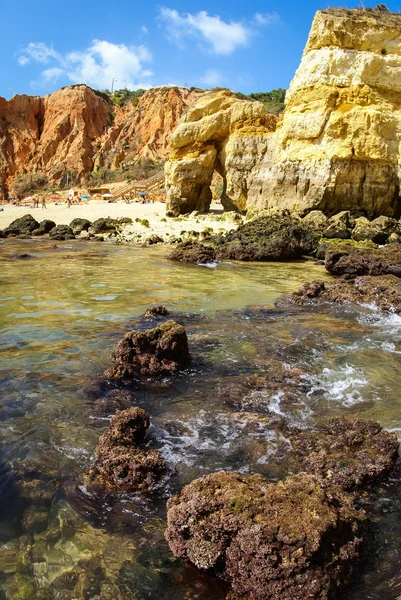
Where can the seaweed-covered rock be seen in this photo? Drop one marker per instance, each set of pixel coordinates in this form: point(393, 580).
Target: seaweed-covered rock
point(333, 243)
point(193, 252)
point(157, 351)
point(61, 232)
point(291, 540)
point(316, 220)
point(45, 226)
point(114, 400)
point(379, 230)
point(78, 225)
point(349, 453)
point(340, 226)
point(119, 463)
point(103, 225)
point(23, 225)
point(382, 291)
point(358, 261)
point(155, 311)
point(268, 238)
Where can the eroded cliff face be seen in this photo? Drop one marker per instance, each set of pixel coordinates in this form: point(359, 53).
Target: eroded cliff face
point(337, 145)
point(75, 129)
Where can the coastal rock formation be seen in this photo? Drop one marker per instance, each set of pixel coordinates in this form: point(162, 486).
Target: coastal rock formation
point(348, 260)
point(193, 252)
point(159, 351)
point(24, 225)
point(290, 540)
point(381, 291)
point(336, 146)
point(119, 463)
point(219, 133)
point(77, 129)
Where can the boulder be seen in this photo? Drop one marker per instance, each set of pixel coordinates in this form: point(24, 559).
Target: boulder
point(159, 351)
point(346, 260)
point(119, 464)
point(45, 226)
point(339, 226)
point(316, 220)
point(114, 400)
point(154, 312)
point(193, 252)
point(78, 225)
point(382, 291)
point(349, 453)
point(103, 226)
point(23, 225)
point(291, 540)
point(268, 238)
point(325, 244)
point(61, 232)
point(379, 230)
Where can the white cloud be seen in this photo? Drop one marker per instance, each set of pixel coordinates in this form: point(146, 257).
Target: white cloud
point(96, 66)
point(222, 37)
point(212, 78)
point(266, 18)
point(144, 29)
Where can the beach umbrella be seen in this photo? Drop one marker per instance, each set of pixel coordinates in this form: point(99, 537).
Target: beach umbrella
point(28, 198)
point(107, 195)
point(142, 194)
point(85, 196)
point(54, 197)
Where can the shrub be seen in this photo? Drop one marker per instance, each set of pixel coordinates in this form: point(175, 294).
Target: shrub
point(29, 183)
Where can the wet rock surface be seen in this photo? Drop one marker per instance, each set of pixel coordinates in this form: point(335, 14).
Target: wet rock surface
point(340, 226)
point(78, 225)
point(193, 252)
point(382, 291)
point(268, 238)
point(291, 540)
point(159, 351)
point(45, 227)
point(346, 260)
point(155, 312)
point(62, 232)
point(103, 226)
point(24, 225)
point(119, 463)
point(346, 452)
point(379, 230)
point(114, 400)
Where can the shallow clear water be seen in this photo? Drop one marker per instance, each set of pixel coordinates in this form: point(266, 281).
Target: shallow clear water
point(62, 312)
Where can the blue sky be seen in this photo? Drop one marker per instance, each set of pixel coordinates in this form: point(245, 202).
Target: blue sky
point(246, 46)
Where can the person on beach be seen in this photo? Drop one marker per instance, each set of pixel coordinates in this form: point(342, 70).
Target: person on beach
point(43, 203)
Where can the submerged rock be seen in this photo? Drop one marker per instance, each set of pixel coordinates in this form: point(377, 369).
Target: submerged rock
point(23, 225)
point(193, 252)
point(114, 400)
point(119, 463)
point(62, 232)
point(382, 291)
point(268, 238)
point(157, 351)
point(346, 260)
point(348, 453)
point(291, 540)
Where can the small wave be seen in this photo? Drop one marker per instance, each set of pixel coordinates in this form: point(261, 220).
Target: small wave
point(342, 385)
point(211, 265)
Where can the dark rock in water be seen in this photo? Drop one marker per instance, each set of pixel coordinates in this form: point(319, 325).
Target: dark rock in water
point(157, 351)
point(155, 311)
point(45, 227)
point(333, 244)
point(98, 386)
point(379, 230)
point(23, 256)
point(2, 234)
point(114, 400)
point(358, 261)
point(268, 238)
point(193, 252)
point(289, 541)
point(103, 226)
point(382, 291)
point(62, 232)
point(129, 427)
point(340, 226)
point(119, 463)
point(154, 239)
point(77, 225)
point(23, 225)
point(348, 453)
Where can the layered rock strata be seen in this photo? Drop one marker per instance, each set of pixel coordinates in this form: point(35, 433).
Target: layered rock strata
point(336, 146)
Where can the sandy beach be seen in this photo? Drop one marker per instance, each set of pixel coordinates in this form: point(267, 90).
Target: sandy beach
point(155, 214)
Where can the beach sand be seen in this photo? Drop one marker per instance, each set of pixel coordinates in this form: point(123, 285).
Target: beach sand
point(95, 209)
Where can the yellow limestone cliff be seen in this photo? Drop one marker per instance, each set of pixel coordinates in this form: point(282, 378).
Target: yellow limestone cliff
point(337, 145)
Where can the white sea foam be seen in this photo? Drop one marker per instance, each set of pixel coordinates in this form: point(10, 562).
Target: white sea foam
point(343, 385)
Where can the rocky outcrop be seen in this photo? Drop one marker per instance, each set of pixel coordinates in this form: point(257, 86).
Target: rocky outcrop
point(336, 146)
point(290, 540)
point(159, 351)
point(77, 129)
point(351, 261)
point(381, 291)
point(219, 133)
point(23, 225)
point(119, 463)
point(193, 252)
